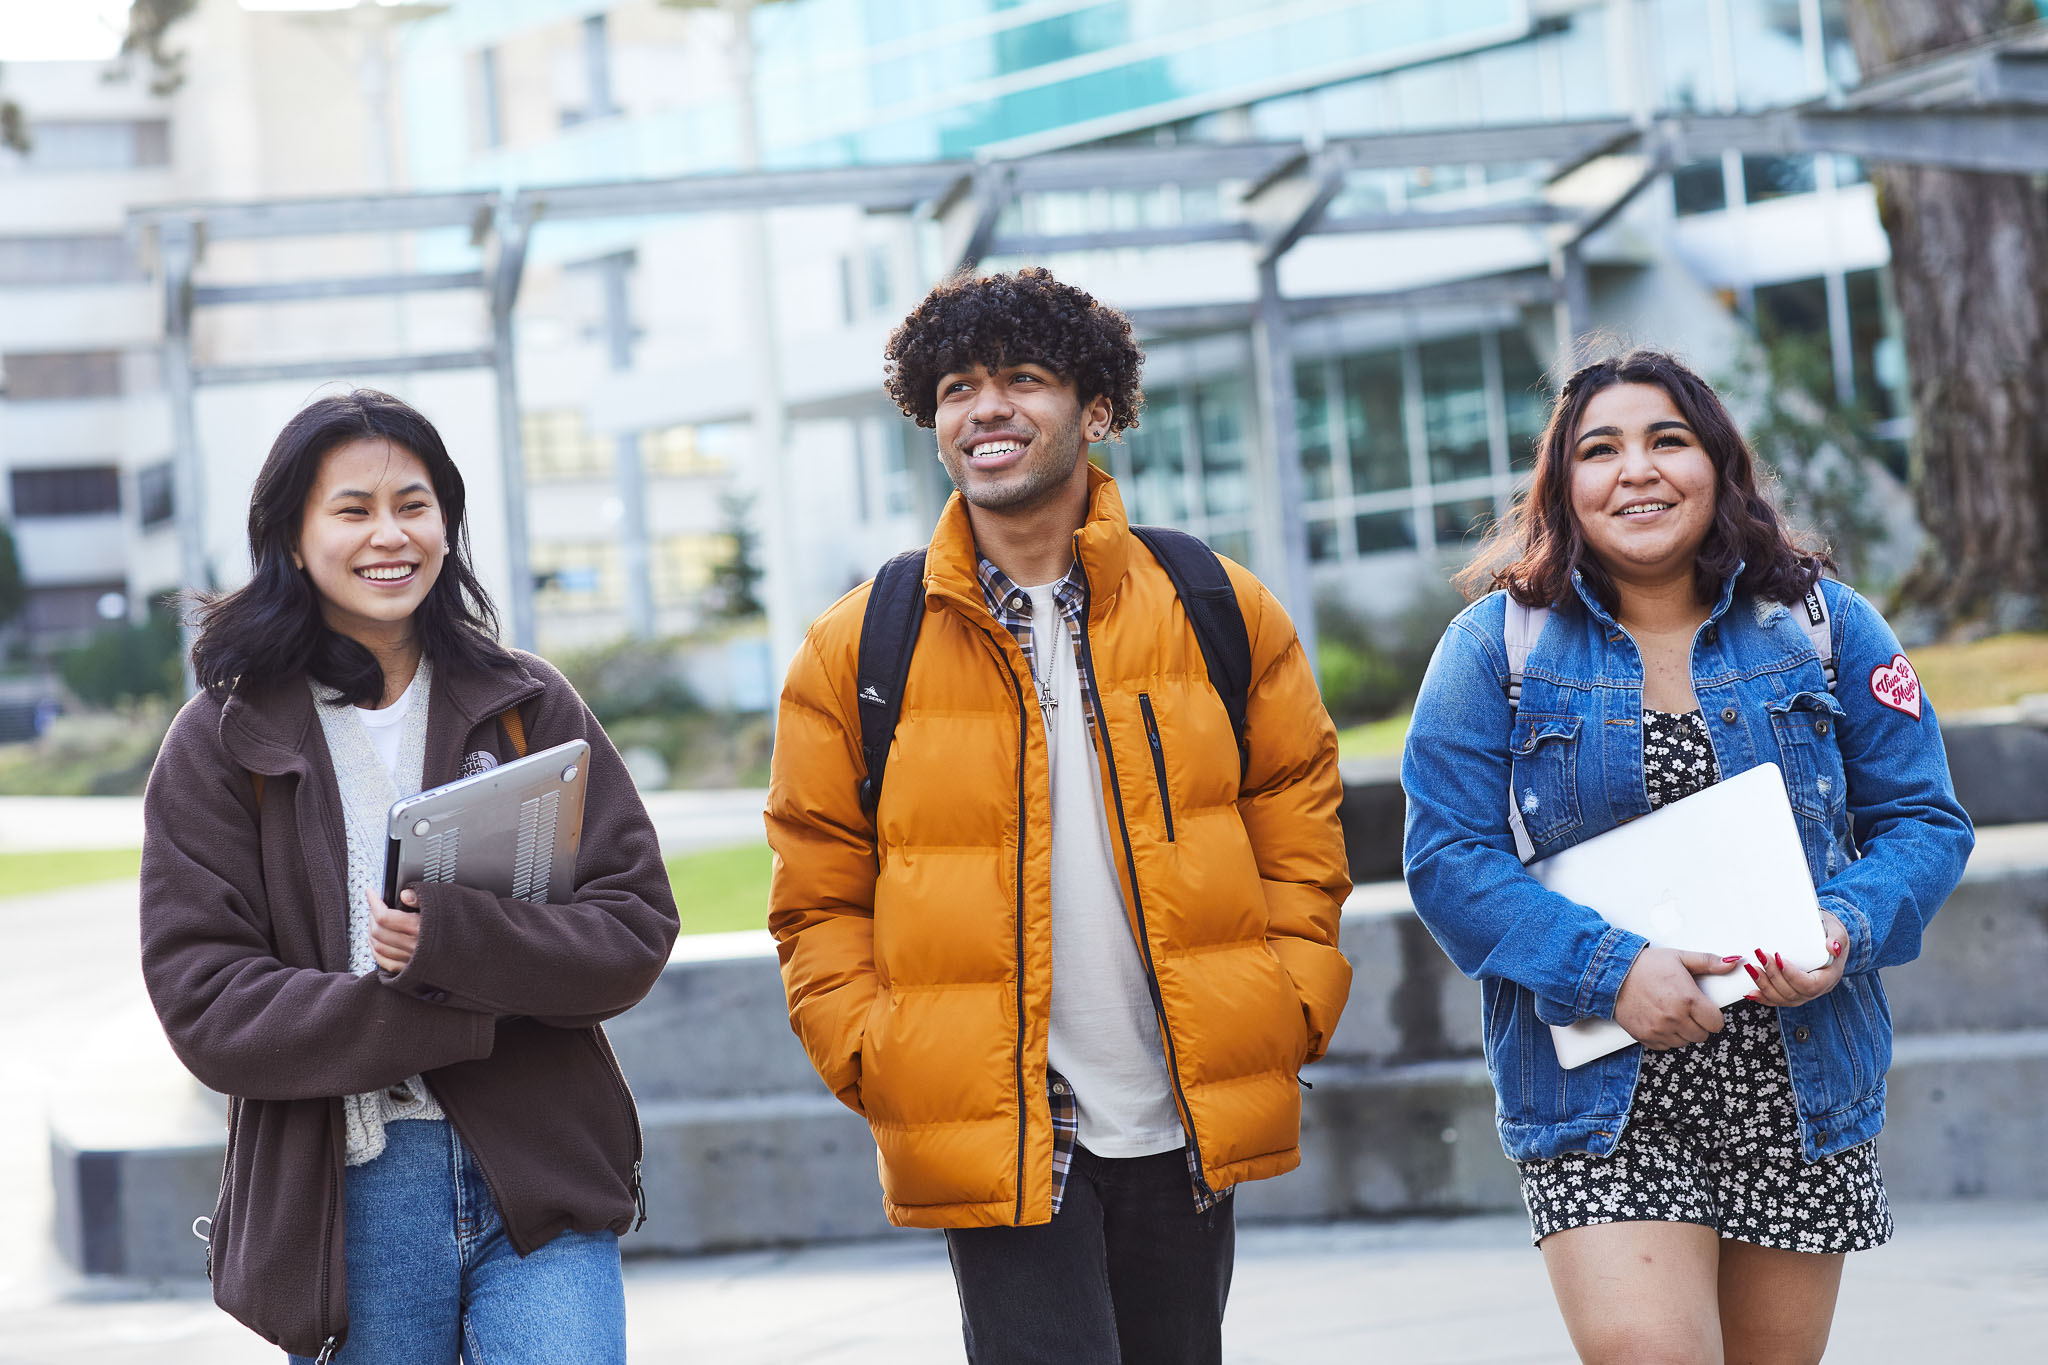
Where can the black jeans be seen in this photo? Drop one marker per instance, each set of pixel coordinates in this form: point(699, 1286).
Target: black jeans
point(1126, 1273)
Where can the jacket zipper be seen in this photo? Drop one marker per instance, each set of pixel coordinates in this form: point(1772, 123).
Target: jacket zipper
point(333, 1341)
point(1087, 663)
point(227, 1166)
point(1023, 1115)
point(1158, 760)
point(618, 1075)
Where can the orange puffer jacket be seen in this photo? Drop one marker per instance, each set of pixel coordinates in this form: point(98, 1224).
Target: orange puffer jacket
point(916, 947)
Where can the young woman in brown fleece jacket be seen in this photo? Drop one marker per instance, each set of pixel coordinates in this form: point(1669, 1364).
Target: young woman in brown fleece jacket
point(431, 1150)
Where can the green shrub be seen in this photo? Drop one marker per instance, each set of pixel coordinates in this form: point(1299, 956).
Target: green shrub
point(126, 663)
point(1371, 667)
point(98, 753)
point(630, 678)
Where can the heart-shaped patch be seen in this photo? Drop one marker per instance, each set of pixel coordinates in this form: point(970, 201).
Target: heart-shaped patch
point(1896, 685)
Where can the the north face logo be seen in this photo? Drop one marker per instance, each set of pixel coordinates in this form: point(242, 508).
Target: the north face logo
point(479, 761)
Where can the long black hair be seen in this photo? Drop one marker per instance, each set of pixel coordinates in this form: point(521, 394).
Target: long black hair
point(272, 626)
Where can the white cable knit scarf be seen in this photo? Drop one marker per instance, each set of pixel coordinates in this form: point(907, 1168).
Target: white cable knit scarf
point(367, 794)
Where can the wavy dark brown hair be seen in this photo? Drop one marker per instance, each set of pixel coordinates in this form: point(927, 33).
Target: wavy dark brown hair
point(1536, 550)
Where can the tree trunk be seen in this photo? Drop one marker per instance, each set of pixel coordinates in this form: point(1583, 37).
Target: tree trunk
point(1970, 263)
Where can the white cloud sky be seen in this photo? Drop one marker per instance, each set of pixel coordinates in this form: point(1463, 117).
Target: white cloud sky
point(67, 31)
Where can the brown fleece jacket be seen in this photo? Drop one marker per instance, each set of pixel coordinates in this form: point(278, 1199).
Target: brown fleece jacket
point(245, 953)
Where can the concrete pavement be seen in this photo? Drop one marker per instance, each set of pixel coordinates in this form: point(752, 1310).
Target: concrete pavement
point(1963, 1283)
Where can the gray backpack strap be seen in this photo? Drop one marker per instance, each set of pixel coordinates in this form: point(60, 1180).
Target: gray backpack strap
point(1820, 629)
point(1521, 631)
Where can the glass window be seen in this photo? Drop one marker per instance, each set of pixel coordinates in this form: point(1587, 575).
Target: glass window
point(575, 576)
point(1322, 541)
point(1699, 187)
point(98, 144)
point(1680, 40)
point(79, 491)
point(1219, 407)
point(1795, 308)
point(1590, 89)
point(558, 446)
point(1373, 428)
point(1527, 397)
point(60, 374)
point(1454, 409)
point(1381, 531)
point(1774, 177)
point(1235, 542)
point(1839, 53)
point(682, 565)
point(154, 500)
point(1770, 47)
point(1312, 431)
point(1876, 348)
point(1466, 520)
point(1510, 84)
point(1158, 489)
point(65, 260)
point(677, 451)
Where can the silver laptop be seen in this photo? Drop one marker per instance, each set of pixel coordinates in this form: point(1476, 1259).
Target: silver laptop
point(1719, 872)
point(512, 831)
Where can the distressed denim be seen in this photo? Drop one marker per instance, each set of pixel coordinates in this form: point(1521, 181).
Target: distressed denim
point(1885, 838)
point(431, 1274)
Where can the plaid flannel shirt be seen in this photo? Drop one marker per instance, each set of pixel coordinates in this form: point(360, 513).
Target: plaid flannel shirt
point(1011, 607)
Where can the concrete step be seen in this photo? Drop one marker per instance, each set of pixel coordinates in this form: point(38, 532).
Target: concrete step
point(744, 1147)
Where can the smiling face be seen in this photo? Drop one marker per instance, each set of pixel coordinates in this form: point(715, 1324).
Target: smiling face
point(1012, 439)
point(372, 539)
point(1643, 489)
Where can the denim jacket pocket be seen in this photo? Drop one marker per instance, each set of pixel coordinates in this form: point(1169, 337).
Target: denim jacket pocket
point(1545, 774)
point(1805, 725)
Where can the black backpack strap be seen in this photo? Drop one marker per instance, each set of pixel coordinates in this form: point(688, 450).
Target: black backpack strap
point(888, 637)
point(1211, 604)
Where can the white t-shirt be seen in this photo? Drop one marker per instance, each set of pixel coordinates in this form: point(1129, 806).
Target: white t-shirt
point(1104, 1035)
point(385, 725)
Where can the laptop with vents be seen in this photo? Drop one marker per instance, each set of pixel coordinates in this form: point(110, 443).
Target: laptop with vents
point(1720, 872)
point(512, 831)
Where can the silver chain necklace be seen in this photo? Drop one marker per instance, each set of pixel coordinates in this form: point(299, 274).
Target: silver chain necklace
point(1047, 703)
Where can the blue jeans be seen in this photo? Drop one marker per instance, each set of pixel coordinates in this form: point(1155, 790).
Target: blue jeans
point(431, 1274)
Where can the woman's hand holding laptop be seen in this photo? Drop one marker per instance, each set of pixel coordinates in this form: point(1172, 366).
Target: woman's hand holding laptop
point(1660, 1004)
point(1780, 984)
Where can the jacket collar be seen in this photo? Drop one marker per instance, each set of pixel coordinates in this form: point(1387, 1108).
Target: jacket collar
point(1606, 618)
point(1103, 545)
point(268, 729)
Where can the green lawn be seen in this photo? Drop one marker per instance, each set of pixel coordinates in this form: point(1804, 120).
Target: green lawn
point(24, 874)
point(1374, 739)
point(721, 888)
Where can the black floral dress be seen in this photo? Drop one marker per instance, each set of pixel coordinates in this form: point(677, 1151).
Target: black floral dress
point(1712, 1136)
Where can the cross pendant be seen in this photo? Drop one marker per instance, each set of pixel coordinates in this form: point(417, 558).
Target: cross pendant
point(1047, 704)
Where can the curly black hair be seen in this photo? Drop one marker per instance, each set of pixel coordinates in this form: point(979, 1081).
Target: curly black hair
point(1026, 317)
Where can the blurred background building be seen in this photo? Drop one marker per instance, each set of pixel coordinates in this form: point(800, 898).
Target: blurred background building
point(653, 431)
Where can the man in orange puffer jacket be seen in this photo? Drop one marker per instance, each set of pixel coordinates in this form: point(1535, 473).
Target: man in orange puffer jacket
point(1072, 963)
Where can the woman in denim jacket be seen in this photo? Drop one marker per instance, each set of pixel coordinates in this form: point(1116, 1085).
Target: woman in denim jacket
point(1693, 1196)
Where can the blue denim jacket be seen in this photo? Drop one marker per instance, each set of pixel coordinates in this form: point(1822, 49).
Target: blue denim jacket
point(1885, 839)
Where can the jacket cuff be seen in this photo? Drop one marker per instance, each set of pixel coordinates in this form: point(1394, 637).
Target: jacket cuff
point(1860, 953)
point(1601, 982)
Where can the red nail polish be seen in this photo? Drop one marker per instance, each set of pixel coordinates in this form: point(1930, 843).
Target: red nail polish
point(1834, 948)
point(1753, 996)
point(1781, 960)
point(1761, 959)
point(1732, 959)
point(1752, 972)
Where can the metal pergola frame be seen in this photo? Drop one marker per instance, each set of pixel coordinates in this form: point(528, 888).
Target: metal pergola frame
point(1980, 109)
